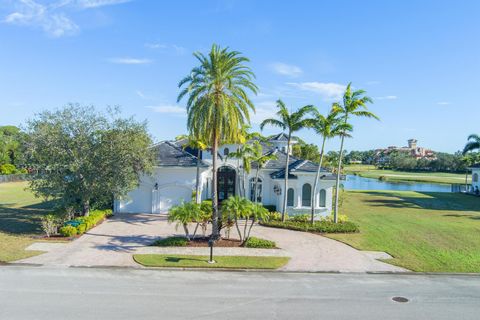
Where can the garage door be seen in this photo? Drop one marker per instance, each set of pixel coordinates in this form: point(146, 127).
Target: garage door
point(172, 196)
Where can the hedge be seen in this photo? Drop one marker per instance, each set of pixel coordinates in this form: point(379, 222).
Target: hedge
point(171, 242)
point(83, 224)
point(254, 242)
point(318, 226)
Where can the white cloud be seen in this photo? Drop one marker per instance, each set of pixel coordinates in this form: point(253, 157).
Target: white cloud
point(386, 98)
point(263, 110)
point(130, 61)
point(51, 17)
point(286, 69)
point(443, 103)
point(99, 3)
point(168, 109)
point(328, 90)
point(162, 46)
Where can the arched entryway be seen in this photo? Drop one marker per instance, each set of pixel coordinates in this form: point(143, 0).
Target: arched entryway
point(226, 183)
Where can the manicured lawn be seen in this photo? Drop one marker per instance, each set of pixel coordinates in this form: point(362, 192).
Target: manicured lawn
point(192, 261)
point(20, 214)
point(369, 171)
point(434, 232)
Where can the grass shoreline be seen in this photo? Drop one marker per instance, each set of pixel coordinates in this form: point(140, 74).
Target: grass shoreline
point(369, 171)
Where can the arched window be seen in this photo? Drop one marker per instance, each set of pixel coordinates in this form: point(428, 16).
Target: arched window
point(259, 190)
point(323, 198)
point(290, 197)
point(306, 195)
point(226, 151)
point(475, 177)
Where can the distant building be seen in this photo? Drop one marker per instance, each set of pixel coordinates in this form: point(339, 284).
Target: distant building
point(383, 155)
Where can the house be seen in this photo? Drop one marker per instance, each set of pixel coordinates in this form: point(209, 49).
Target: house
point(173, 180)
point(382, 156)
point(475, 178)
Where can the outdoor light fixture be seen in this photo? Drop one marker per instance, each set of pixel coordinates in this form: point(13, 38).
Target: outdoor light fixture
point(277, 190)
point(155, 187)
point(210, 244)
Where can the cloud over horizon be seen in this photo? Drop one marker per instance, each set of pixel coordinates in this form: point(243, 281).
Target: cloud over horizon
point(286, 69)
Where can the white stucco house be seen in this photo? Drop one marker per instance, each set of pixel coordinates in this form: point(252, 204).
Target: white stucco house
point(173, 180)
point(475, 178)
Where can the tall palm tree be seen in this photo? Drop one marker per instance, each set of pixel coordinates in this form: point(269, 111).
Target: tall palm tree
point(290, 122)
point(198, 145)
point(354, 104)
point(472, 144)
point(218, 104)
point(327, 127)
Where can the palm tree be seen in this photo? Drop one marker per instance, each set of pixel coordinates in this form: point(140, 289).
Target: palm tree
point(472, 145)
point(328, 127)
point(260, 160)
point(184, 214)
point(354, 104)
point(218, 105)
point(291, 122)
point(198, 145)
point(244, 153)
point(240, 208)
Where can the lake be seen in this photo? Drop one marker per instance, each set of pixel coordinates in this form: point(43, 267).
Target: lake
point(359, 183)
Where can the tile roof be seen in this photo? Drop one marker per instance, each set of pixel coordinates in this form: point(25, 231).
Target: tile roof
point(169, 154)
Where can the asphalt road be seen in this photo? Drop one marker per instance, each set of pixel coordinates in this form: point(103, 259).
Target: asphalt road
point(80, 293)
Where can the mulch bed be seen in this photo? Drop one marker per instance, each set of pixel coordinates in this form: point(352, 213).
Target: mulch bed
point(223, 242)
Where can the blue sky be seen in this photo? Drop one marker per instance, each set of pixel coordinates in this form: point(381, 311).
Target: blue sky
point(419, 60)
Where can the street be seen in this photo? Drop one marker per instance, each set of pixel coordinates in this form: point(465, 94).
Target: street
point(91, 293)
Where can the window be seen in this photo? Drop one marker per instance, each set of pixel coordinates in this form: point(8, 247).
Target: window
point(323, 198)
point(306, 195)
point(475, 177)
point(226, 151)
point(259, 190)
point(290, 197)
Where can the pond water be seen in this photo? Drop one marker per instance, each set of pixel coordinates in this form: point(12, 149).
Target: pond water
point(359, 183)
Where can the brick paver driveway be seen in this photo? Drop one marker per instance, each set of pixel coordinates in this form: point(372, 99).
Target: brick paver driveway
point(113, 242)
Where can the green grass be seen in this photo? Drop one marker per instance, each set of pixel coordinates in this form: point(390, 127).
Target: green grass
point(428, 232)
point(369, 171)
point(192, 261)
point(20, 214)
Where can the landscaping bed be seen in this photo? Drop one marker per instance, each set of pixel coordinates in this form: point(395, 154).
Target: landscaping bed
point(252, 242)
point(317, 227)
point(194, 261)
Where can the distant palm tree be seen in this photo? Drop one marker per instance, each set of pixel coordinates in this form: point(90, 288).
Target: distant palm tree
point(290, 122)
point(260, 160)
point(472, 145)
point(218, 105)
point(244, 154)
point(354, 104)
point(198, 145)
point(328, 127)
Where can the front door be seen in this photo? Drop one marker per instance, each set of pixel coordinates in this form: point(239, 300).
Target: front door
point(226, 183)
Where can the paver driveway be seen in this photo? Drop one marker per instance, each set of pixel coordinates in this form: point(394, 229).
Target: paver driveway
point(113, 242)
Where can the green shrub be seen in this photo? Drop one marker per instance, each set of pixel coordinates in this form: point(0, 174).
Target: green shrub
point(341, 218)
point(301, 218)
point(271, 208)
point(318, 226)
point(68, 231)
point(253, 242)
point(7, 168)
point(50, 224)
point(171, 242)
point(81, 228)
point(275, 216)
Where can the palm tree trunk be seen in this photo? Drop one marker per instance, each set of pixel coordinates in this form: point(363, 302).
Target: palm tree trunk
point(185, 228)
point(238, 229)
point(316, 179)
point(197, 187)
point(285, 187)
point(250, 230)
point(215, 231)
point(337, 184)
point(256, 185)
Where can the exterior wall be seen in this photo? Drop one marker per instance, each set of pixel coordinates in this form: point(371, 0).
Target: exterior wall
point(476, 171)
point(147, 198)
point(177, 183)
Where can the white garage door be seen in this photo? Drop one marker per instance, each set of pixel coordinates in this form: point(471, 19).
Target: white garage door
point(172, 196)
